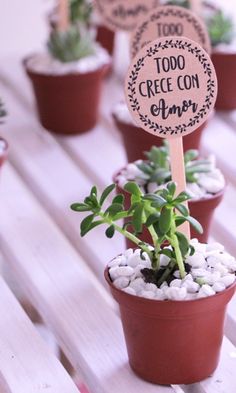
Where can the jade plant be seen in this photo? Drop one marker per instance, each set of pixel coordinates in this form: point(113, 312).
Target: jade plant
point(157, 167)
point(220, 28)
point(160, 213)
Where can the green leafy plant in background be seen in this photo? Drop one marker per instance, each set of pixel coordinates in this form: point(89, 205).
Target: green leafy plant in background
point(220, 28)
point(160, 213)
point(70, 45)
point(180, 3)
point(3, 111)
point(157, 167)
point(80, 11)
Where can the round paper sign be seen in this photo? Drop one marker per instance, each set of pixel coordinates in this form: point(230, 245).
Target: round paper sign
point(124, 14)
point(168, 21)
point(171, 87)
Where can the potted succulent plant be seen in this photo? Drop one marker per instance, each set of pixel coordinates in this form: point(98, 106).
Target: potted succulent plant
point(205, 183)
point(82, 10)
point(3, 142)
point(222, 33)
point(172, 297)
point(67, 79)
point(136, 140)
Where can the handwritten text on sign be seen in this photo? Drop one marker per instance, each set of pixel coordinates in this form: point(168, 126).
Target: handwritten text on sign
point(171, 87)
point(169, 21)
point(124, 14)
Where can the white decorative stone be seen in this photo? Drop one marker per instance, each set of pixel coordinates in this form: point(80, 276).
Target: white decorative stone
point(218, 286)
point(206, 290)
point(128, 252)
point(129, 290)
point(113, 271)
point(138, 284)
point(214, 247)
point(137, 271)
point(151, 287)
point(147, 294)
point(196, 260)
point(164, 260)
point(191, 286)
point(175, 293)
point(228, 279)
point(176, 283)
point(160, 295)
point(125, 271)
point(121, 282)
point(114, 262)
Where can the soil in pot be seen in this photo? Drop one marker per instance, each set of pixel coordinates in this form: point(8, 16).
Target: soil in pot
point(171, 341)
point(68, 103)
point(225, 66)
point(137, 141)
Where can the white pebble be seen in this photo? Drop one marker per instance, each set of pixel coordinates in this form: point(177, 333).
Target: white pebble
point(164, 260)
point(147, 294)
point(197, 260)
point(206, 290)
point(175, 293)
point(121, 282)
point(151, 287)
point(113, 271)
point(164, 285)
point(138, 284)
point(199, 272)
point(137, 271)
point(160, 294)
point(125, 271)
point(176, 283)
point(129, 290)
point(191, 286)
point(214, 246)
point(176, 274)
point(228, 279)
point(221, 268)
point(218, 286)
point(114, 262)
point(128, 252)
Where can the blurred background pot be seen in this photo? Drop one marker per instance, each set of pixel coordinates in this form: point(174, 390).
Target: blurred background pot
point(137, 141)
point(3, 151)
point(225, 66)
point(68, 103)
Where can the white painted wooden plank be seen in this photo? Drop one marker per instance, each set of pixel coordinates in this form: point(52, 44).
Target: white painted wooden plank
point(219, 138)
point(26, 364)
point(65, 292)
point(55, 179)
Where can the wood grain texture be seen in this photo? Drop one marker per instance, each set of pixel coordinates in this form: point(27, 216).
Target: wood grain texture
point(26, 364)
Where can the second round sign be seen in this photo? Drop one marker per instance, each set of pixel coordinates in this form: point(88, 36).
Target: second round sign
point(171, 87)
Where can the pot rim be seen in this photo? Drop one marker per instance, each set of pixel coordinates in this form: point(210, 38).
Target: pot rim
point(30, 72)
point(218, 194)
point(156, 301)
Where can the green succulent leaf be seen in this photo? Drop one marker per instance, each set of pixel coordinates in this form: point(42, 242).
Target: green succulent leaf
point(118, 199)
point(106, 192)
point(182, 209)
point(183, 243)
point(114, 209)
point(137, 220)
point(195, 224)
point(110, 231)
point(133, 188)
point(85, 224)
point(165, 220)
point(80, 207)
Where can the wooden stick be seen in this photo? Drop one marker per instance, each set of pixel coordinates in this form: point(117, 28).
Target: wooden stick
point(196, 6)
point(178, 173)
point(63, 15)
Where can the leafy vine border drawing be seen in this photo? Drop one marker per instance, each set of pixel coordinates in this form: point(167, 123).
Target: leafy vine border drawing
point(178, 44)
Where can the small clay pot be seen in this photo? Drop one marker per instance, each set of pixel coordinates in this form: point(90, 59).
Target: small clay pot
point(137, 141)
point(67, 104)
point(202, 209)
point(4, 153)
point(172, 342)
point(225, 66)
point(106, 38)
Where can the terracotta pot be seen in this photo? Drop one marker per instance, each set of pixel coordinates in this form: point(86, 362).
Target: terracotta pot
point(4, 153)
point(225, 66)
point(106, 38)
point(68, 104)
point(202, 210)
point(137, 141)
point(172, 342)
